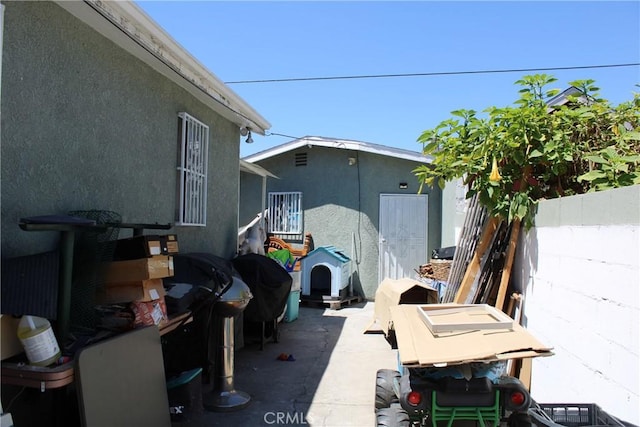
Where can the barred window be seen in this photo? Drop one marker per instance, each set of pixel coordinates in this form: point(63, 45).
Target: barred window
point(192, 171)
point(285, 212)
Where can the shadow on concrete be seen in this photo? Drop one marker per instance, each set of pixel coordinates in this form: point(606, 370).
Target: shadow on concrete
point(281, 391)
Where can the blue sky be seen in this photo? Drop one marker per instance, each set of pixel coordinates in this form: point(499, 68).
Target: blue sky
point(244, 40)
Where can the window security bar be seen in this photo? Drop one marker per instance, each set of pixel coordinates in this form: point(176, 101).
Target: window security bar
point(194, 144)
point(285, 212)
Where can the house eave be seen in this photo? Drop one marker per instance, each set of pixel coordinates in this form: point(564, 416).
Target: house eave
point(563, 98)
point(125, 24)
point(255, 169)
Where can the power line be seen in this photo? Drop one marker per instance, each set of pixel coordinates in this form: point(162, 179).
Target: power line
point(442, 73)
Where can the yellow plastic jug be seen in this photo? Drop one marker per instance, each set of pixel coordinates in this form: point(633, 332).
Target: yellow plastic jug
point(38, 340)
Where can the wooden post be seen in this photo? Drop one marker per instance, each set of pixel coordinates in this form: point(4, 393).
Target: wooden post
point(508, 264)
point(474, 264)
point(524, 374)
point(511, 307)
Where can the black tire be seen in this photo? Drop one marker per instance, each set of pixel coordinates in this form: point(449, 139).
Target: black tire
point(385, 394)
point(392, 417)
point(519, 419)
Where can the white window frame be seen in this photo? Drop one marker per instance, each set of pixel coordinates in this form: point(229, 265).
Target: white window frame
point(285, 212)
point(192, 172)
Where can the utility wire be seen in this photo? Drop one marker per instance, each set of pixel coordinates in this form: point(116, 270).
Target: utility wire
point(442, 73)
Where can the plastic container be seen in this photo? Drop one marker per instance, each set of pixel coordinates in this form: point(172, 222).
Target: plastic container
point(38, 340)
point(579, 414)
point(293, 306)
point(295, 280)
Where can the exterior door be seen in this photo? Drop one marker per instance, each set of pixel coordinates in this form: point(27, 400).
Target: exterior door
point(402, 240)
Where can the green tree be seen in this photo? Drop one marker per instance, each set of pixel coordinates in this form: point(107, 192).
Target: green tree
point(519, 154)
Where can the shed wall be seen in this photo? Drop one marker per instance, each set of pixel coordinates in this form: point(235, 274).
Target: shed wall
point(341, 201)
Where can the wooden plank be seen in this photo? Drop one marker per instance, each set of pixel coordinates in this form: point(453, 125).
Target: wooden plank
point(508, 264)
point(514, 365)
point(525, 372)
point(474, 264)
point(333, 303)
point(175, 321)
point(512, 301)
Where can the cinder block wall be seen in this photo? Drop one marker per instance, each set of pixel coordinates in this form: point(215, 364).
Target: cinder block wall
point(580, 268)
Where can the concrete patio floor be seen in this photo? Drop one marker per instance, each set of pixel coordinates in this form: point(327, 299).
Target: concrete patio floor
point(331, 382)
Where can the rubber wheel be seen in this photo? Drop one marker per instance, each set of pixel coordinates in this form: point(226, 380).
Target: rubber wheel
point(385, 394)
point(392, 417)
point(519, 419)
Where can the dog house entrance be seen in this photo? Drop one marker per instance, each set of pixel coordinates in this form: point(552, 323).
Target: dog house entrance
point(320, 280)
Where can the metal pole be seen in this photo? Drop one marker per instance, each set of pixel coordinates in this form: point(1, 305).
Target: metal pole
point(223, 380)
point(64, 288)
point(224, 397)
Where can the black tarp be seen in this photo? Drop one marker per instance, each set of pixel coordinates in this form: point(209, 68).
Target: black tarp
point(270, 285)
point(193, 344)
point(202, 269)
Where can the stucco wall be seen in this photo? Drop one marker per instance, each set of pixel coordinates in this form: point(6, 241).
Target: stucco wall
point(86, 125)
point(580, 268)
point(341, 202)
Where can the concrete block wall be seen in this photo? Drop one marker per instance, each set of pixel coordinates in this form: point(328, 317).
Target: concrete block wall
point(580, 270)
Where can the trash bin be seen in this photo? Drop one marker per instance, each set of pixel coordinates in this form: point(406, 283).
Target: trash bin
point(185, 395)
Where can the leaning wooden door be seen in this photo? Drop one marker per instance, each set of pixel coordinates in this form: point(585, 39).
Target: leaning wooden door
point(402, 238)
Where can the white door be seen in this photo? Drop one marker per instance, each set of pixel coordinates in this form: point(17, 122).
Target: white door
point(402, 239)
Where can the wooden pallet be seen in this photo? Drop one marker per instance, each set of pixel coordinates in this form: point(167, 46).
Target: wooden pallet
point(332, 303)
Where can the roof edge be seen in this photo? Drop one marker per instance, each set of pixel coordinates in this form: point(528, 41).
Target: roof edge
point(345, 144)
point(255, 169)
point(142, 30)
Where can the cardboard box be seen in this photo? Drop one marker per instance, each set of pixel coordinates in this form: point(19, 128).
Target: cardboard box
point(143, 290)
point(419, 347)
point(146, 246)
point(147, 313)
point(155, 267)
point(171, 242)
point(392, 292)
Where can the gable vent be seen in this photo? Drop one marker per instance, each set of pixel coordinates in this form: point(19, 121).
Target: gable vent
point(301, 159)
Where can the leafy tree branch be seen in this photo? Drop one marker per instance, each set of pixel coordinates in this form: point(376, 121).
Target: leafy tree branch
point(517, 155)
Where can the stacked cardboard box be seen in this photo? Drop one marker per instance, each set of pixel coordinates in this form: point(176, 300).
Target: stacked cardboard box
point(135, 278)
point(146, 246)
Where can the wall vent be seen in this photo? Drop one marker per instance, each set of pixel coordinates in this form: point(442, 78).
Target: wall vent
point(301, 159)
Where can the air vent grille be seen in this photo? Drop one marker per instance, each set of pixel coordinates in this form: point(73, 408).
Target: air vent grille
point(301, 159)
